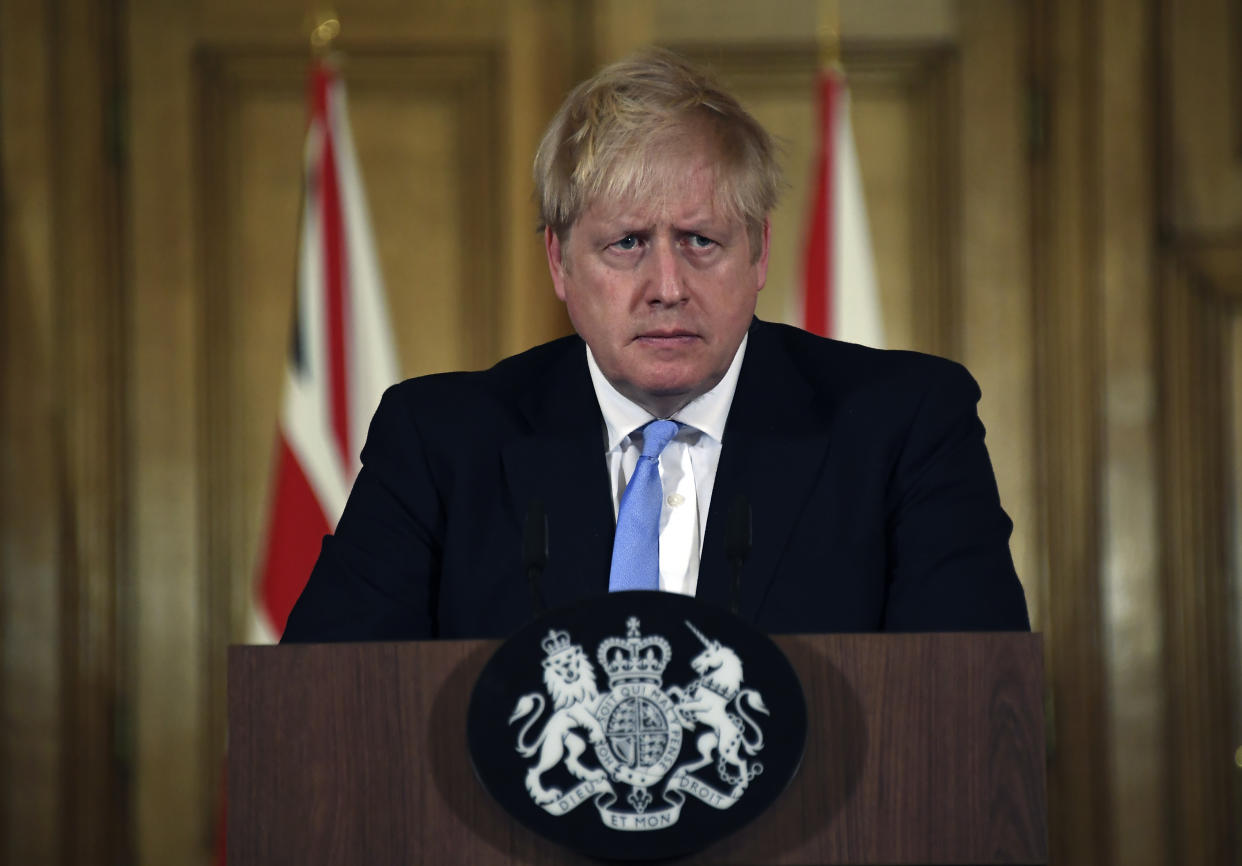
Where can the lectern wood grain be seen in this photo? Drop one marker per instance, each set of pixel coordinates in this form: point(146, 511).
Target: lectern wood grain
point(922, 749)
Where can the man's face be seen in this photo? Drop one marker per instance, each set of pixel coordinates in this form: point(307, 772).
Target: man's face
point(662, 292)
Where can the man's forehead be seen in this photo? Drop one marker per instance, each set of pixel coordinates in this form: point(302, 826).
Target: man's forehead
point(666, 210)
point(674, 172)
point(688, 195)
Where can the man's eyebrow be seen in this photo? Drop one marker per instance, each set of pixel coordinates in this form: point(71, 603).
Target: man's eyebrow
point(706, 226)
point(629, 227)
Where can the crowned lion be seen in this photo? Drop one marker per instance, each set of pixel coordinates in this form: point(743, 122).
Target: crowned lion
point(570, 681)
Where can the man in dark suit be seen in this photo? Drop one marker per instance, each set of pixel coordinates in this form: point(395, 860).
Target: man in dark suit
point(874, 503)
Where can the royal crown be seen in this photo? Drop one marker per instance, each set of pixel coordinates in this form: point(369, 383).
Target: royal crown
point(556, 642)
point(634, 658)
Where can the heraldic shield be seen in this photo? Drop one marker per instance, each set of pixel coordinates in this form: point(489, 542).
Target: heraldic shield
point(637, 725)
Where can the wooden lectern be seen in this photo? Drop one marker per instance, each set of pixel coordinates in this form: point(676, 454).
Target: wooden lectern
point(922, 748)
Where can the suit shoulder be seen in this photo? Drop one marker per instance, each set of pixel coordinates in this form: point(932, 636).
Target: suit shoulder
point(845, 368)
point(499, 382)
point(475, 403)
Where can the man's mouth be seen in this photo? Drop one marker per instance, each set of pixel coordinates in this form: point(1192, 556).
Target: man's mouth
point(669, 336)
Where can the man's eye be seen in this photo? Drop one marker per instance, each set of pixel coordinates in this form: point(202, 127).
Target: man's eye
point(628, 242)
point(700, 242)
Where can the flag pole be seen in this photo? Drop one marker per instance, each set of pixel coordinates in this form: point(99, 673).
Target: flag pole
point(828, 35)
point(840, 298)
point(327, 27)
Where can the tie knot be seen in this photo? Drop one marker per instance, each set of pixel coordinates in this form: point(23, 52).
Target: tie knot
point(656, 435)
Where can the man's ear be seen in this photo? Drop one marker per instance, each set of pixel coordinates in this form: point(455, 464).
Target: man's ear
point(556, 260)
point(761, 263)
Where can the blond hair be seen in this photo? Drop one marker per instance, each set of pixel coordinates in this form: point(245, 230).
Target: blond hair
point(609, 136)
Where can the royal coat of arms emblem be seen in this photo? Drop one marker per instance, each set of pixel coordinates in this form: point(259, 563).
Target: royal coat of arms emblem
point(635, 732)
point(637, 725)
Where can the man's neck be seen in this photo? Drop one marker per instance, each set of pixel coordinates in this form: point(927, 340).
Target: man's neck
point(706, 412)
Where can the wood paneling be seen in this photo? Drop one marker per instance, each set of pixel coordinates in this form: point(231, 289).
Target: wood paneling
point(173, 799)
point(89, 231)
point(1130, 527)
point(1065, 261)
point(996, 307)
point(30, 694)
point(65, 504)
point(1200, 587)
point(1200, 286)
point(1199, 63)
point(1054, 195)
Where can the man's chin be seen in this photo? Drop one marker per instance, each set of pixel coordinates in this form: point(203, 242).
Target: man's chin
point(664, 395)
point(669, 383)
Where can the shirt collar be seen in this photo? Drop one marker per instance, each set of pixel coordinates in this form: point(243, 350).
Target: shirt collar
point(707, 412)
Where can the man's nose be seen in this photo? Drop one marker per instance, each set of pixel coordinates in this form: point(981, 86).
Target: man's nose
point(667, 285)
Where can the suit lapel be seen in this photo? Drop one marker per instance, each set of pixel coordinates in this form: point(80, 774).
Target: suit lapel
point(775, 442)
point(774, 445)
point(561, 463)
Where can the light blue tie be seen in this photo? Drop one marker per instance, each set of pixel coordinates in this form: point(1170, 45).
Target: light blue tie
point(636, 548)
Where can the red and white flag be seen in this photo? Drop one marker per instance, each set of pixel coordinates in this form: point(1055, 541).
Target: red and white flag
point(341, 358)
point(840, 298)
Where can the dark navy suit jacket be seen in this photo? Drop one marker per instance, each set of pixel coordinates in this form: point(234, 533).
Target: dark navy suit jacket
point(874, 502)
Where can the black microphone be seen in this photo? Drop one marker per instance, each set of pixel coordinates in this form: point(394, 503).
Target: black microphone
point(535, 549)
point(737, 544)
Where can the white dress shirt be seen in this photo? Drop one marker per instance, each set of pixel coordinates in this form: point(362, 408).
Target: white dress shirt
point(687, 466)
